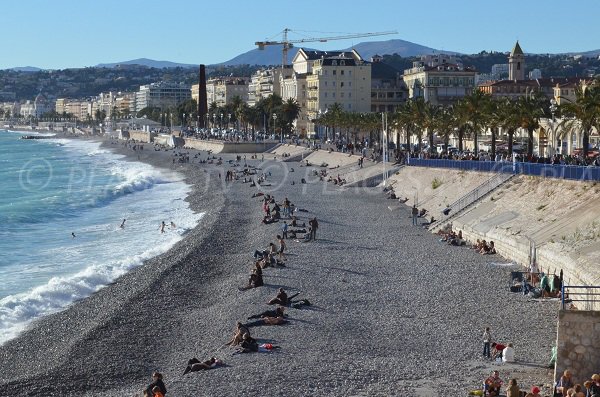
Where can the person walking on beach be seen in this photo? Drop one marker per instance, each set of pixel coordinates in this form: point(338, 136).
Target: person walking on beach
point(314, 225)
point(162, 227)
point(487, 340)
point(284, 230)
point(281, 248)
point(415, 215)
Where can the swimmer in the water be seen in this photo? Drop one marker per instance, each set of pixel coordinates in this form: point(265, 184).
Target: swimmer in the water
point(123, 224)
point(73, 234)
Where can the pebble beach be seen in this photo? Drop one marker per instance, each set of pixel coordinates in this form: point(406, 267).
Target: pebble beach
point(394, 312)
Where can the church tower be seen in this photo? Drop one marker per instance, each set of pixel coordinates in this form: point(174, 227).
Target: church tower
point(516, 63)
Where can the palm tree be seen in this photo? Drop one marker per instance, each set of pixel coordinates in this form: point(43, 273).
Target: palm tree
point(530, 110)
point(289, 113)
point(509, 120)
point(444, 122)
point(475, 105)
point(585, 110)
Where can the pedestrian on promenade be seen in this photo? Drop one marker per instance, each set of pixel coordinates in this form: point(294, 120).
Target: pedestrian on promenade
point(314, 226)
point(487, 340)
point(284, 230)
point(415, 215)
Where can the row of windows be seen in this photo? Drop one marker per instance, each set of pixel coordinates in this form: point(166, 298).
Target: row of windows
point(448, 81)
point(334, 72)
point(388, 95)
point(333, 83)
point(325, 95)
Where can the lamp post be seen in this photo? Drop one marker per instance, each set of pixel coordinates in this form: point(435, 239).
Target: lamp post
point(221, 125)
point(275, 127)
point(228, 119)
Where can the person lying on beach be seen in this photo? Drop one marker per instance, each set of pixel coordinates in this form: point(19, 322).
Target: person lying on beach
point(422, 212)
point(267, 321)
point(279, 312)
point(404, 200)
point(250, 345)
point(240, 331)
point(269, 219)
point(157, 381)
point(195, 365)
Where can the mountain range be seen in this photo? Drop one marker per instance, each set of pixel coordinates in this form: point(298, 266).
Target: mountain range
point(272, 55)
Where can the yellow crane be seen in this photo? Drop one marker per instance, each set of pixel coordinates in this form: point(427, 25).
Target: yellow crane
point(287, 44)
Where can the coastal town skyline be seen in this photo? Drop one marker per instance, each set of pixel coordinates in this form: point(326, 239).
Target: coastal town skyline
point(186, 32)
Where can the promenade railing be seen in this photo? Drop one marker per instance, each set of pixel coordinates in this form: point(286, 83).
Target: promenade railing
point(557, 171)
point(590, 295)
point(471, 197)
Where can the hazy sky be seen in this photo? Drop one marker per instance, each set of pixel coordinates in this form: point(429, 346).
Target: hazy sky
point(67, 33)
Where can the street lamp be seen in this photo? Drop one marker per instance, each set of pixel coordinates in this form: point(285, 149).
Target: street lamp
point(228, 119)
point(221, 125)
point(275, 127)
point(553, 108)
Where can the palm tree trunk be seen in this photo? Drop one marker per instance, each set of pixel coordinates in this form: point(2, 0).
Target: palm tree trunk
point(461, 135)
point(475, 140)
point(511, 136)
point(586, 143)
point(530, 141)
point(431, 145)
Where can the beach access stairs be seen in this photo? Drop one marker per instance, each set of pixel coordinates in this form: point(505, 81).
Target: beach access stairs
point(465, 202)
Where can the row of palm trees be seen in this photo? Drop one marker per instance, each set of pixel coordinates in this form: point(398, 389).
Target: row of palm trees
point(473, 115)
point(269, 113)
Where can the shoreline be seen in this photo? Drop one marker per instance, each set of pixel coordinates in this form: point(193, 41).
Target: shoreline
point(355, 340)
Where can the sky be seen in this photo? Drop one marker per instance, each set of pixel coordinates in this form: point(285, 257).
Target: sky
point(63, 34)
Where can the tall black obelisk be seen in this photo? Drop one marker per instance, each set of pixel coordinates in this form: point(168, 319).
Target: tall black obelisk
point(202, 99)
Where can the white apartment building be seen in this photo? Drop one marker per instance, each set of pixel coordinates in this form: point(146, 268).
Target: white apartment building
point(222, 90)
point(37, 108)
point(162, 95)
point(334, 77)
point(440, 79)
point(294, 87)
point(265, 83)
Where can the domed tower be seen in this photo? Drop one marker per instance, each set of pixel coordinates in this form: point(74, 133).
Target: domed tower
point(516, 63)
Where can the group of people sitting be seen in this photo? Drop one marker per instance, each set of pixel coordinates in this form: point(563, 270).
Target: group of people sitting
point(453, 238)
point(484, 248)
point(566, 387)
point(492, 387)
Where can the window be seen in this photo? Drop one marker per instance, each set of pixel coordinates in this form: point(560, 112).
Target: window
point(326, 84)
point(349, 106)
point(349, 84)
point(333, 83)
point(341, 83)
point(334, 72)
point(342, 72)
point(518, 65)
point(341, 94)
point(334, 63)
point(325, 95)
point(343, 63)
point(349, 95)
point(333, 94)
point(349, 72)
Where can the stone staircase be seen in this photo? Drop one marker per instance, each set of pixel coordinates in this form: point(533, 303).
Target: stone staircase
point(469, 199)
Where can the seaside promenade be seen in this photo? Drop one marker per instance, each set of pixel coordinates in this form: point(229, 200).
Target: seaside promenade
point(394, 312)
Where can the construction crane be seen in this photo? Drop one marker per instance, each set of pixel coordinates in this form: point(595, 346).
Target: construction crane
point(287, 44)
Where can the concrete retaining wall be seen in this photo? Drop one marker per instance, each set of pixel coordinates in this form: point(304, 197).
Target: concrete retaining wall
point(577, 344)
point(228, 147)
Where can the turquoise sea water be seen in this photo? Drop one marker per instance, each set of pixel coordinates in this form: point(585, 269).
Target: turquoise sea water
point(53, 188)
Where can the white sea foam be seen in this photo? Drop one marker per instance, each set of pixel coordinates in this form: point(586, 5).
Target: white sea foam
point(46, 269)
point(17, 311)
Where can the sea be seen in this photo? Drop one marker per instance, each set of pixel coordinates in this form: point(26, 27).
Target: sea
point(62, 203)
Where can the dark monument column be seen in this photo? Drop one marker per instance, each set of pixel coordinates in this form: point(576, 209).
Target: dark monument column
point(202, 99)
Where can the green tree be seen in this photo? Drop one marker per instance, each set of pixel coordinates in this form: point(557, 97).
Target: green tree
point(530, 110)
point(289, 113)
point(585, 111)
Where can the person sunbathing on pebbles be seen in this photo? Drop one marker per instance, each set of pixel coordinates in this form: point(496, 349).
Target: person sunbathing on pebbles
point(195, 365)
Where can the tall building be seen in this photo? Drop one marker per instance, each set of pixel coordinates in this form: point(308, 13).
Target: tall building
point(516, 63)
point(439, 79)
point(162, 95)
point(338, 77)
